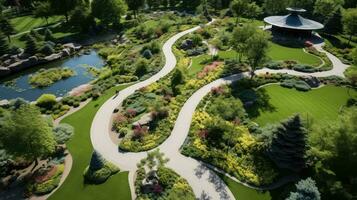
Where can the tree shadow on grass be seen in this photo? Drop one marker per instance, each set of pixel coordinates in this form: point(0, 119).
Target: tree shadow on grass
point(256, 101)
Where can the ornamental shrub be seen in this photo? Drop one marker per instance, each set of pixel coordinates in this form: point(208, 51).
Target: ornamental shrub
point(147, 54)
point(63, 132)
point(302, 86)
point(46, 101)
point(47, 49)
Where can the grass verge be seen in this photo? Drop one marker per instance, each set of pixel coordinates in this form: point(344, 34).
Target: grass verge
point(81, 149)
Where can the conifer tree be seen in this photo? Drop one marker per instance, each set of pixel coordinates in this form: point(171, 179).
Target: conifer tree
point(31, 46)
point(4, 46)
point(289, 144)
point(97, 161)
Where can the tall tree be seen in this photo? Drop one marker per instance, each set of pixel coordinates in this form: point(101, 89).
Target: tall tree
point(4, 45)
point(289, 144)
point(26, 133)
point(109, 11)
point(327, 8)
point(273, 7)
point(305, 190)
point(257, 48)
point(43, 10)
point(239, 39)
point(349, 20)
point(135, 5)
point(190, 4)
point(64, 7)
point(239, 8)
point(6, 27)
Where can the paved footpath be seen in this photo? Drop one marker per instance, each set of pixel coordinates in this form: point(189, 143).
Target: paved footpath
point(205, 183)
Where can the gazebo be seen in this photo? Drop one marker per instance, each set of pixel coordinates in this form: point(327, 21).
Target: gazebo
point(293, 23)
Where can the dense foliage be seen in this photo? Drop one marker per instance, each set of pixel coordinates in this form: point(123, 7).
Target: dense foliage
point(46, 77)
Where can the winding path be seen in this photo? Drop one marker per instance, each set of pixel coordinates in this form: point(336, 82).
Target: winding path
point(204, 182)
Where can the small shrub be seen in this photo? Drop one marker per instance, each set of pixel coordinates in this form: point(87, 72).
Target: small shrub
point(147, 54)
point(63, 132)
point(302, 86)
point(46, 101)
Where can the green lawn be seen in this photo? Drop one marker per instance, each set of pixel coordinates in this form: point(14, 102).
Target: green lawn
point(321, 104)
point(278, 52)
point(241, 192)
point(81, 149)
point(196, 65)
point(26, 23)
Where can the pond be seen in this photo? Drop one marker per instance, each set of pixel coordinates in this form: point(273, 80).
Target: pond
point(18, 85)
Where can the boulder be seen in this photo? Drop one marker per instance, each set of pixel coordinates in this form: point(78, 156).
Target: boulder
point(66, 52)
point(4, 71)
point(22, 64)
point(187, 44)
point(52, 57)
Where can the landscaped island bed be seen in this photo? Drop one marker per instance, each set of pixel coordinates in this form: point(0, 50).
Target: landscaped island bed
point(46, 77)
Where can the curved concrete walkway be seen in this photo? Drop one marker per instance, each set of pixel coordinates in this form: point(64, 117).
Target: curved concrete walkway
point(205, 183)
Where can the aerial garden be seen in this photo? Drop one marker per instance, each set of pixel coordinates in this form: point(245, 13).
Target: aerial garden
point(287, 134)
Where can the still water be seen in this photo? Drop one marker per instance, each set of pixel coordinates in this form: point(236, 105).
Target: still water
point(21, 88)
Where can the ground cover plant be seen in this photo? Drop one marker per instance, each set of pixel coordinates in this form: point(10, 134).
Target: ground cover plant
point(81, 150)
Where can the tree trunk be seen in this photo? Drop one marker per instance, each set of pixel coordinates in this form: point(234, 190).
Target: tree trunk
point(349, 41)
point(9, 38)
point(66, 15)
point(46, 20)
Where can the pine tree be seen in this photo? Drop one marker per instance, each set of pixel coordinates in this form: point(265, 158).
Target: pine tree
point(6, 27)
point(4, 46)
point(31, 46)
point(97, 161)
point(305, 190)
point(288, 146)
point(48, 35)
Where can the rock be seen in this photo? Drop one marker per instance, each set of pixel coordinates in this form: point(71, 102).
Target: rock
point(5, 57)
point(66, 52)
point(187, 44)
point(4, 102)
point(52, 57)
point(22, 64)
point(144, 120)
point(72, 47)
point(4, 71)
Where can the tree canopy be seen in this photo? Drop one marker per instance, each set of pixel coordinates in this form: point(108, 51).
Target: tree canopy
point(25, 133)
point(108, 11)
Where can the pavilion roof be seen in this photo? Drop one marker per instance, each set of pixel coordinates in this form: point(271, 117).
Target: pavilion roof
point(293, 21)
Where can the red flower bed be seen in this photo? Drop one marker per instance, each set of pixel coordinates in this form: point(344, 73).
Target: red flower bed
point(208, 68)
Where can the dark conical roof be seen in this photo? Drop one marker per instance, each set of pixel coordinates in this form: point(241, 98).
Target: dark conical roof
point(293, 21)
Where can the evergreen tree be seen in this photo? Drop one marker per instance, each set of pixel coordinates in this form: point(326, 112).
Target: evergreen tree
point(334, 25)
point(31, 45)
point(6, 27)
point(4, 46)
point(177, 79)
point(135, 5)
point(48, 35)
point(305, 190)
point(289, 145)
point(96, 162)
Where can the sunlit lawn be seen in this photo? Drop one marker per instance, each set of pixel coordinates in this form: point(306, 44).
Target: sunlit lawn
point(116, 187)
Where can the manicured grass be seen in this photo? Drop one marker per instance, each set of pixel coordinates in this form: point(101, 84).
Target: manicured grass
point(321, 104)
point(241, 192)
point(81, 149)
point(278, 52)
point(26, 23)
point(196, 64)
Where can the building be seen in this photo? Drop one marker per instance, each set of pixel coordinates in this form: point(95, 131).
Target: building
point(293, 24)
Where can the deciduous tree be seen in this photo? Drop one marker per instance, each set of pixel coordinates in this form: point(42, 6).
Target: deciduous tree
point(108, 11)
point(349, 20)
point(26, 133)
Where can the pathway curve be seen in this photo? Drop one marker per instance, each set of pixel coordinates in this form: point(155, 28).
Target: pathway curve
point(204, 182)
